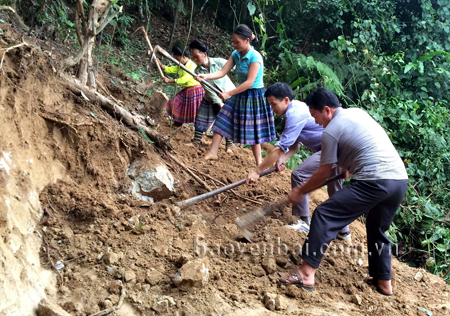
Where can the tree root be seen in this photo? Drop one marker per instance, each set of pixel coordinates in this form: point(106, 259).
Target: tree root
point(76, 86)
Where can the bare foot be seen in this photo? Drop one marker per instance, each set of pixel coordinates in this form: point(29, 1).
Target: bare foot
point(211, 156)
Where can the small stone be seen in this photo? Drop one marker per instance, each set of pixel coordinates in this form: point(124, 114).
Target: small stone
point(47, 308)
point(360, 262)
point(270, 265)
point(293, 291)
point(282, 261)
point(419, 276)
point(59, 265)
point(280, 303)
point(111, 258)
point(356, 299)
point(193, 274)
point(258, 271)
point(129, 276)
point(153, 277)
point(270, 305)
point(107, 304)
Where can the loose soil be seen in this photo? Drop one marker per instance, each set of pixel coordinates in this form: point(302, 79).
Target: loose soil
point(89, 221)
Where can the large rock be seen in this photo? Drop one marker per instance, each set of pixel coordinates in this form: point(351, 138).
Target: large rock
point(47, 308)
point(193, 274)
point(151, 180)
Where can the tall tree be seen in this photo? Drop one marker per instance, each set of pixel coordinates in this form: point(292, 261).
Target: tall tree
point(89, 21)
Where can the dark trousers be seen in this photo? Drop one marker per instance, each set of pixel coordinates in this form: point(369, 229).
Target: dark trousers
point(380, 198)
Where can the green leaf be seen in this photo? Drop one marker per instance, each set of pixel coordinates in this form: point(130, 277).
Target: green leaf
point(265, 36)
point(299, 81)
point(144, 135)
point(251, 8)
point(441, 247)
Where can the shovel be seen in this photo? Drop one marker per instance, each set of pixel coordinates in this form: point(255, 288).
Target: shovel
point(207, 195)
point(255, 216)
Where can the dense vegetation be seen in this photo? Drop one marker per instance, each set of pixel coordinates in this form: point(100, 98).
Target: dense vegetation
point(388, 57)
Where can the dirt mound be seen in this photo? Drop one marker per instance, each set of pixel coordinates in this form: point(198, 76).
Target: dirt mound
point(98, 238)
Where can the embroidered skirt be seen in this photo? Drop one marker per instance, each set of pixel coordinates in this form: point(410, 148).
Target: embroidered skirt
point(246, 118)
point(185, 104)
point(206, 115)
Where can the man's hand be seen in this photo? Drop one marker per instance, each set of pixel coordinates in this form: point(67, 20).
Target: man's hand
point(281, 165)
point(224, 96)
point(347, 174)
point(252, 177)
point(167, 80)
point(295, 195)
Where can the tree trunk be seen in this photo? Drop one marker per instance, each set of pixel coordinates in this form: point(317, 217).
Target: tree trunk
point(86, 71)
point(177, 10)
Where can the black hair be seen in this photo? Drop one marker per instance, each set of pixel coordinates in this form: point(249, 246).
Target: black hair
point(196, 44)
point(320, 98)
point(244, 32)
point(178, 51)
point(280, 90)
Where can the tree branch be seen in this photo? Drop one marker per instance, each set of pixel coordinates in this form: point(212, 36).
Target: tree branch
point(105, 14)
point(76, 86)
point(78, 15)
point(107, 20)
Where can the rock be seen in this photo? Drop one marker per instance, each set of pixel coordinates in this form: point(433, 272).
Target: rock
point(356, 299)
point(161, 306)
point(270, 265)
point(169, 299)
point(151, 179)
point(129, 276)
point(153, 277)
point(419, 276)
point(193, 274)
point(107, 304)
point(282, 261)
point(270, 305)
point(258, 271)
point(47, 308)
point(111, 258)
point(360, 262)
point(293, 291)
point(281, 303)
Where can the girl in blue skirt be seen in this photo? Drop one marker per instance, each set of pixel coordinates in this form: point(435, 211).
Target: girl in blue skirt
point(246, 116)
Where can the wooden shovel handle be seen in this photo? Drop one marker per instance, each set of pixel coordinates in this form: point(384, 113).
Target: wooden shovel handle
point(158, 49)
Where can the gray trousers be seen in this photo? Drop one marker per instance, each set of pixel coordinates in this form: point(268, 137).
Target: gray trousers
point(302, 173)
point(380, 199)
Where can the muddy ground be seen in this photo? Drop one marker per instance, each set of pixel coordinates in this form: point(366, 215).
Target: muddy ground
point(107, 239)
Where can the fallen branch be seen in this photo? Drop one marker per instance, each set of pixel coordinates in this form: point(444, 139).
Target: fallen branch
point(206, 186)
point(115, 308)
point(76, 86)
